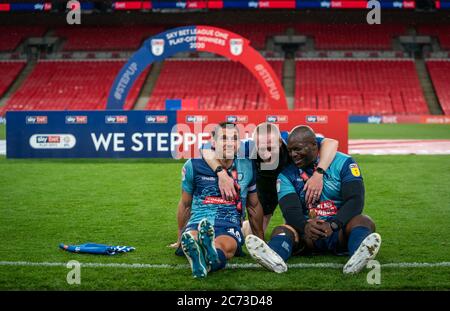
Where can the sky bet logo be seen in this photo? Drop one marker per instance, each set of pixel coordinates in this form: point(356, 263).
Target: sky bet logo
point(36, 119)
point(316, 119)
point(196, 119)
point(156, 119)
point(116, 119)
point(277, 119)
point(76, 119)
point(237, 119)
point(43, 139)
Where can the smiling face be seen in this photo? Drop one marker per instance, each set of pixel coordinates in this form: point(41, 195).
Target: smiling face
point(303, 150)
point(268, 146)
point(226, 143)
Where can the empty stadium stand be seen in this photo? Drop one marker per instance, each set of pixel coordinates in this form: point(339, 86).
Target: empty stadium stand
point(257, 33)
point(105, 38)
point(440, 75)
point(361, 86)
point(70, 85)
point(351, 36)
point(9, 70)
point(441, 32)
point(12, 36)
point(217, 84)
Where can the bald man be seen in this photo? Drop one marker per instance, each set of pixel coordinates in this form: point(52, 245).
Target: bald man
point(332, 223)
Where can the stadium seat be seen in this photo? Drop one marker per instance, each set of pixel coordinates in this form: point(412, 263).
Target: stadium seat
point(9, 70)
point(12, 36)
point(440, 75)
point(70, 85)
point(351, 36)
point(442, 32)
point(360, 86)
point(217, 84)
point(105, 38)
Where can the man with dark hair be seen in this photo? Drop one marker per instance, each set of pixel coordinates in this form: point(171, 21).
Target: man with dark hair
point(332, 223)
point(210, 226)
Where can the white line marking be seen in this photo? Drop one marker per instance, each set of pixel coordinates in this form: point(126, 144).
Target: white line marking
point(328, 265)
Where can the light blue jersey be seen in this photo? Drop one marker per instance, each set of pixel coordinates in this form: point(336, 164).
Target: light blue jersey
point(343, 169)
point(199, 180)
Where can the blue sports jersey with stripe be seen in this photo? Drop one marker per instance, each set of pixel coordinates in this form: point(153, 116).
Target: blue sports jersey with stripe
point(342, 169)
point(199, 180)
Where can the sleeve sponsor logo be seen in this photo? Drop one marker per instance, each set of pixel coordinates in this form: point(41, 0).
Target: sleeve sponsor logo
point(183, 174)
point(355, 170)
point(52, 141)
point(76, 119)
point(36, 120)
point(116, 119)
point(316, 119)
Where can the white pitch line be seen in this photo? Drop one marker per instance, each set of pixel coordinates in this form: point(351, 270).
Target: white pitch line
point(229, 266)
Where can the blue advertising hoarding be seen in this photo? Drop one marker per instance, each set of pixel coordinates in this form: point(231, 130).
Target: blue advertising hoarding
point(90, 134)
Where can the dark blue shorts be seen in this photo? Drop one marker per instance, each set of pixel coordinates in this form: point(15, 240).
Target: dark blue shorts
point(330, 244)
point(226, 229)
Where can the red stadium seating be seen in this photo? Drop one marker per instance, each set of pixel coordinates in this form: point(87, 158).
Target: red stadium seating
point(361, 86)
point(12, 36)
point(70, 85)
point(257, 33)
point(351, 36)
point(217, 84)
point(442, 32)
point(104, 38)
point(8, 73)
point(440, 75)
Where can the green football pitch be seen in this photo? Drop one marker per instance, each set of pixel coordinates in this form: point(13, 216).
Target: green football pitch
point(133, 202)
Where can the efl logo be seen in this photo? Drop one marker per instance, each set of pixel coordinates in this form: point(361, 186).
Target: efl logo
point(237, 119)
point(36, 119)
point(277, 119)
point(316, 119)
point(52, 141)
point(156, 119)
point(76, 119)
point(196, 119)
point(116, 119)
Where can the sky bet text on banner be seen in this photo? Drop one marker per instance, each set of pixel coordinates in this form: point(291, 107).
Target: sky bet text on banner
point(146, 134)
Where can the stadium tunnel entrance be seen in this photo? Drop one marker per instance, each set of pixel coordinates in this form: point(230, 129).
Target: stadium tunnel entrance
point(202, 39)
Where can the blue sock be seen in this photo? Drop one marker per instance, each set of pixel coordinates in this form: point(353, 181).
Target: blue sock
point(357, 235)
point(222, 261)
point(282, 245)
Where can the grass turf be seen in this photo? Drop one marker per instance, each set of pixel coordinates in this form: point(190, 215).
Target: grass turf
point(133, 202)
point(399, 131)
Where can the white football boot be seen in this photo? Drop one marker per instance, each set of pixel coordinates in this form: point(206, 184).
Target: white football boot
point(264, 255)
point(366, 251)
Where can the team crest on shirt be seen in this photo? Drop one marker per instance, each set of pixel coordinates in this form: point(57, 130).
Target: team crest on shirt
point(355, 170)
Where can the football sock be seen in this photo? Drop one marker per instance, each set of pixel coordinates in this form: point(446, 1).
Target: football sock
point(282, 245)
point(222, 261)
point(357, 235)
